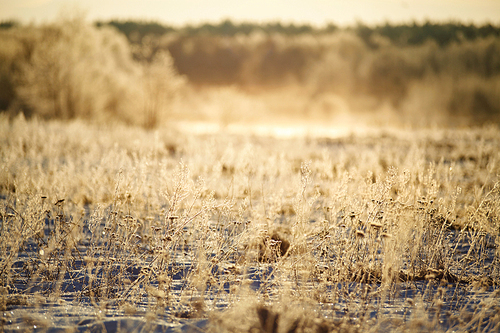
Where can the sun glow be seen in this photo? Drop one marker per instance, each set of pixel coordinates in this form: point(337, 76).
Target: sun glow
point(317, 12)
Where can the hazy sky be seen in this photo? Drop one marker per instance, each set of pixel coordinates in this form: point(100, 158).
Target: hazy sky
point(319, 12)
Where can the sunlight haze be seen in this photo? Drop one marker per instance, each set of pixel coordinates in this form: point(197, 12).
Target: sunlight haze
point(317, 12)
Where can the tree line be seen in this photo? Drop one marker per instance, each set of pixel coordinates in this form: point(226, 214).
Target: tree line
point(400, 34)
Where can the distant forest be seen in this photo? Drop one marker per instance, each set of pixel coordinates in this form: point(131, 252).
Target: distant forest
point(399, 34)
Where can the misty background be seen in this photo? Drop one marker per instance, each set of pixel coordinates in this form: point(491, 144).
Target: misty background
point(148, 73)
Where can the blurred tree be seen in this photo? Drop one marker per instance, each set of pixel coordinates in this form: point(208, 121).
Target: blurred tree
point(160, 83)
point(73, 70)
point(9, 24)
point(137, 30)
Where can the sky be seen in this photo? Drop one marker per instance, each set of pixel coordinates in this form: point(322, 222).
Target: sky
point(315, 12)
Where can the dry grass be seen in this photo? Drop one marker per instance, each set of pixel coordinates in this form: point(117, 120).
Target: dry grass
point(121, 228)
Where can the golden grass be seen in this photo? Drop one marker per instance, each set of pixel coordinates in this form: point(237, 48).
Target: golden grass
point(389, 231)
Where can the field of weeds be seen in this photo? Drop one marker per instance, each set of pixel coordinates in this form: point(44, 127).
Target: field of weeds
point(121, 229)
